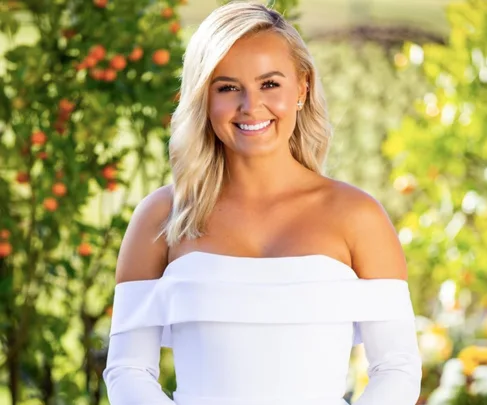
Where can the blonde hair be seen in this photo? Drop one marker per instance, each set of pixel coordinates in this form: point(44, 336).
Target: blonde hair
point(196, 154)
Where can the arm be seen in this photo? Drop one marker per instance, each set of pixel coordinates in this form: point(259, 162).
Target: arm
point(394, 363)
point(390, 346)
point(132, 370)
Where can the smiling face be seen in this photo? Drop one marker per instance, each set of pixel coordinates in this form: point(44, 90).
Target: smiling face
point(253, 96)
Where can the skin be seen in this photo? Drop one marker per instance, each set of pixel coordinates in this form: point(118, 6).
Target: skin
point(235, 95)
point(270, 206)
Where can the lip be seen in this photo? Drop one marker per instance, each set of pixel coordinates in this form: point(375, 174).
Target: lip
point(253, 122)
point(255, 132)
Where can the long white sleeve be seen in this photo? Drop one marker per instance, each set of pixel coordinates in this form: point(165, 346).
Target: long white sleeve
point(132, 370)
point(394, 370)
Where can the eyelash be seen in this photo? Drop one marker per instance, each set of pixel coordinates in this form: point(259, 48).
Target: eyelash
point(229, 87)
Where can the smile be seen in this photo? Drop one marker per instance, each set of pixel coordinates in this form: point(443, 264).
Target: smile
point(256, 127)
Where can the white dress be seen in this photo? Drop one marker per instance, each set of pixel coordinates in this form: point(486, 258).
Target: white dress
point(261, 331)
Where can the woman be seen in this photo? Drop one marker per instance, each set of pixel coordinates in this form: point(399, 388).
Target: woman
point(266, 272)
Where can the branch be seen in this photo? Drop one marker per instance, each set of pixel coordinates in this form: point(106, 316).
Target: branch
point(386, 36)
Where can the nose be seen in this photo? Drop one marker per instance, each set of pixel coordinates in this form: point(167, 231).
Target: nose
point(250, 101)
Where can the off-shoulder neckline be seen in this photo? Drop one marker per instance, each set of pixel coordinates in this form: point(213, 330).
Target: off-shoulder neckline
point(177, 268)
point(250, 259)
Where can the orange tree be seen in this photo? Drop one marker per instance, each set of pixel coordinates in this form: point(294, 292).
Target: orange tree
point(440, 157)
point(85, 100)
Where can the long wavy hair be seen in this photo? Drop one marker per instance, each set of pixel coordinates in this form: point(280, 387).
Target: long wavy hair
point(196, 154)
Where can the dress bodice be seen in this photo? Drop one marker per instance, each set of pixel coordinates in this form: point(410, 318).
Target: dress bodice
point(252, 329)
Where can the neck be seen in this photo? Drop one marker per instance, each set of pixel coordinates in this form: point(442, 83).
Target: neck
point(261, 177)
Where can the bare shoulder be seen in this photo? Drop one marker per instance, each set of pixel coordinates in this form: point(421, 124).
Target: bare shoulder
point(370, 235)
point(142, 255)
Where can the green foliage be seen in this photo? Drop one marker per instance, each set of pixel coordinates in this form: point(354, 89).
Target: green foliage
point(367, 96)
point(288, 8)
point(441, 148)
point(465, 397)
point(84, 109)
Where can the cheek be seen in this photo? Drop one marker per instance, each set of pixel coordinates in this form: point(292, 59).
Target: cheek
point(282, 104)
point(221, 109)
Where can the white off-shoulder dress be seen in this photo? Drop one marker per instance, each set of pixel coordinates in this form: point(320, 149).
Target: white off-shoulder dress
point(261, 331)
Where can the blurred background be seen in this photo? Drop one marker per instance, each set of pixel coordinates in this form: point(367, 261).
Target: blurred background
point(87, 88)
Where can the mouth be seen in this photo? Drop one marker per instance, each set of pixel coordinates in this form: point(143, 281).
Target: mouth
point(254, 129)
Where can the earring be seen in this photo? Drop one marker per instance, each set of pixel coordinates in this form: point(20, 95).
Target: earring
point(300, 104)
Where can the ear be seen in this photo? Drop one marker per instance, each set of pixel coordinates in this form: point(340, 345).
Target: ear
point(303, 87)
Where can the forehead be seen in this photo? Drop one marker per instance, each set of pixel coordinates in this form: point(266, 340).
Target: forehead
point(256, 54)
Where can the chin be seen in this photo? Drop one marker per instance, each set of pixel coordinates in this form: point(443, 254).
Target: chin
point(255, 150)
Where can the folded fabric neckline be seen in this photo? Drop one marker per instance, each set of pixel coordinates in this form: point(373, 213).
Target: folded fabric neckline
point(264, 260)
point(203, 287)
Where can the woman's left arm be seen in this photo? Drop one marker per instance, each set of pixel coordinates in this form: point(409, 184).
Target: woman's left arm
point(394, 363)
point(391, 346)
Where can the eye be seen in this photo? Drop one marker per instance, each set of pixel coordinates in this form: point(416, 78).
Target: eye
point(226, 88)
point(269, 84)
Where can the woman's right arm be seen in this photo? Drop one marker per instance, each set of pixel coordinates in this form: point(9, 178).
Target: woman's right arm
point(132, 370)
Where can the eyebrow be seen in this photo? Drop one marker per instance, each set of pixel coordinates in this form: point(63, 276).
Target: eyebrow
point(261, 77)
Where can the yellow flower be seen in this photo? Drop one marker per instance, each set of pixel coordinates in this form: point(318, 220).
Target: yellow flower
point(482, 355)
point(469, 367)
point(438, 330)
point(468, 353)
point(471, 357)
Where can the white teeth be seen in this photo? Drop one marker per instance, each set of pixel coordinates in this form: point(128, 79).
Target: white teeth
point(254, 127)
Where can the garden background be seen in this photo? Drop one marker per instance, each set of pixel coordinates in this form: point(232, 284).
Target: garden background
point(87, 88)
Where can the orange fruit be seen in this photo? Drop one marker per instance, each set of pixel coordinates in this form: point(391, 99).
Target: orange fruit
point(59, 189)
point(80, 66)
point(22, 177)
point(66, 106)
point(4, 234)
point(84, 249)
point(174, 27)
point(63, 115)
point(100, 3)
point(109, 311)
point(50, 204)
point(98, 52)
point(5, 249)
point(97, 74)
point(38, 138)
point(161, 57)
point(112, 185)
point(167, 12)
point(42, 155)
point(109, 172)
point(118, 62)
point(136, 54)
point(109, 75)
point(90, 61)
